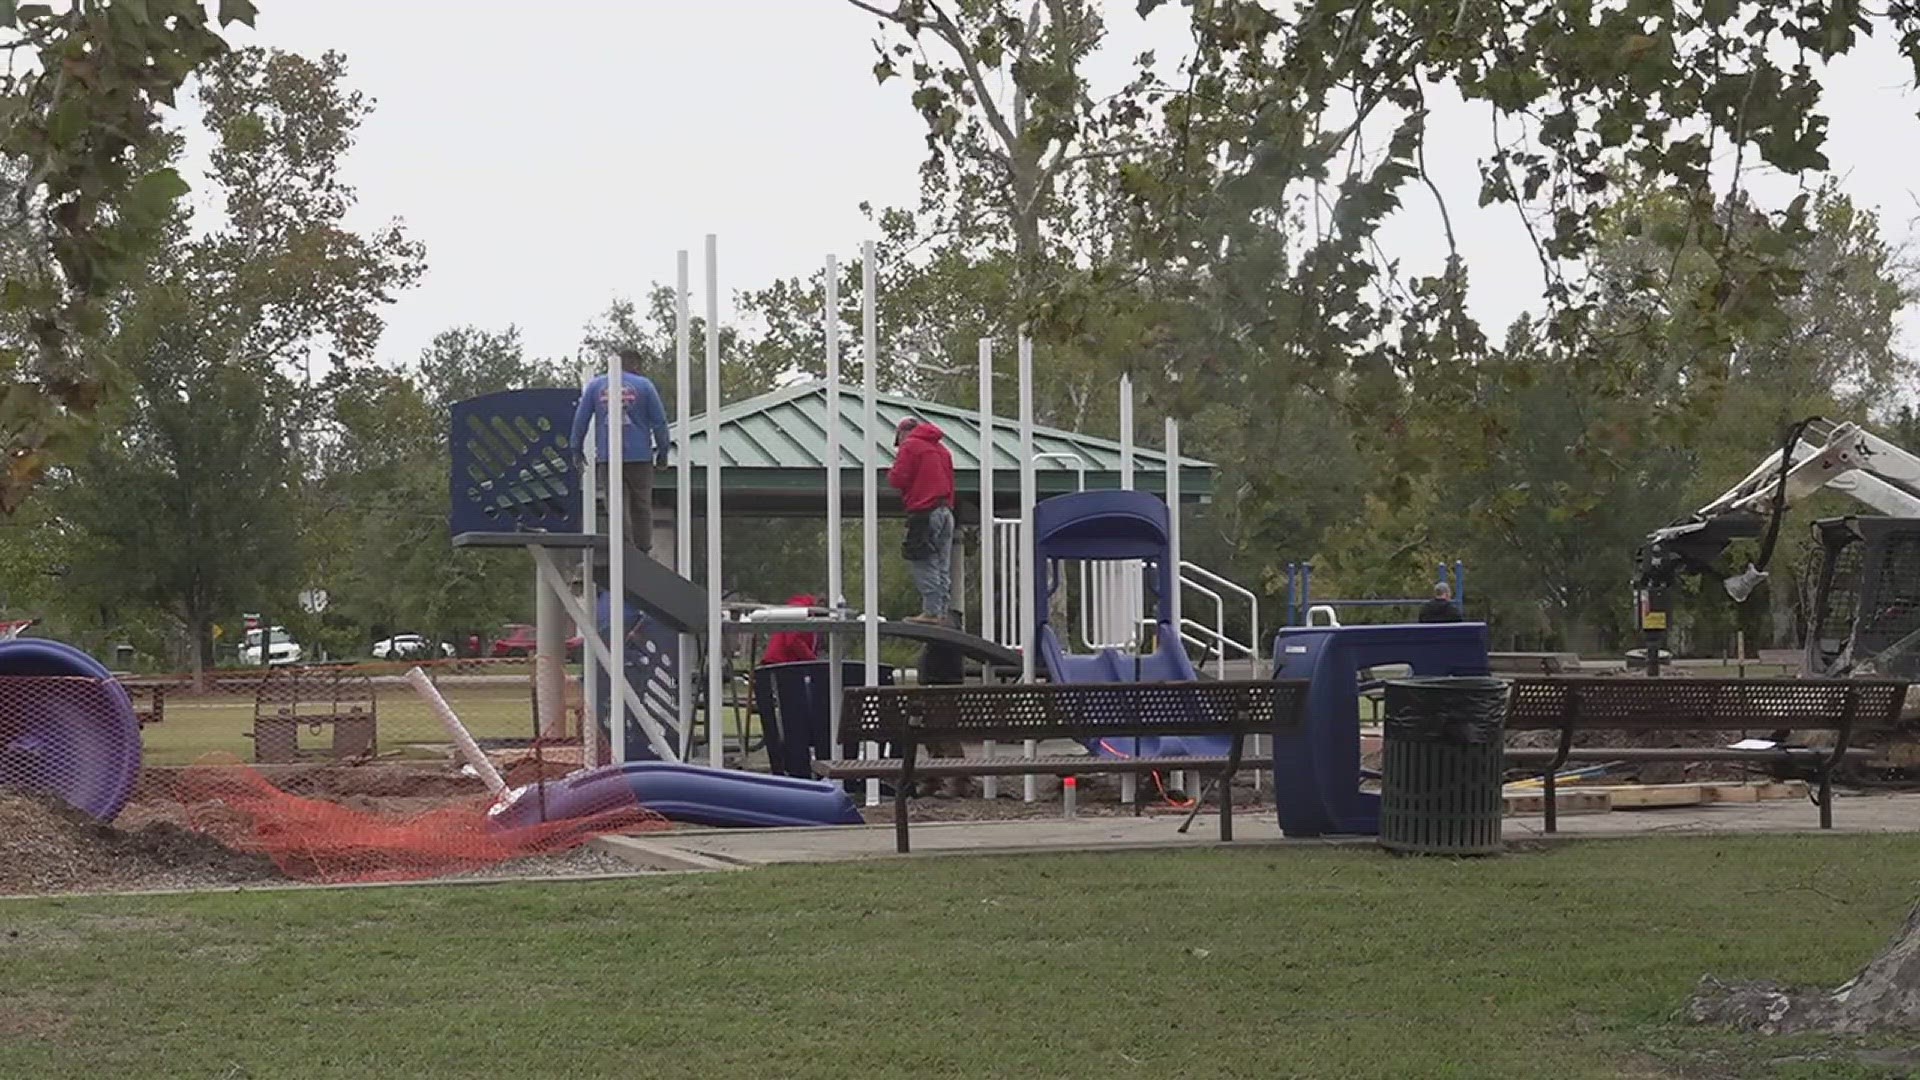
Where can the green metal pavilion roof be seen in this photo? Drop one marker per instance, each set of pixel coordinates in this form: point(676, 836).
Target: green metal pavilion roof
point(774, 449)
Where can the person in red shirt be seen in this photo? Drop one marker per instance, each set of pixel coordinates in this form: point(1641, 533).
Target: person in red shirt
point(923, 475)
point(793, 647)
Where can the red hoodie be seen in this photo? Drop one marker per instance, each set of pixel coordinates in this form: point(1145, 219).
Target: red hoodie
point(922, 470)
point(792, 647)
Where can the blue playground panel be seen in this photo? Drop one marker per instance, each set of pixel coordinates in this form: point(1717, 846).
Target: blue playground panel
point(1316, 770)
point(513, 469)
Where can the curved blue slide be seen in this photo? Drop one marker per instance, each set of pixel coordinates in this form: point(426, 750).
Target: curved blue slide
point(693, 794)
point(1107, 526)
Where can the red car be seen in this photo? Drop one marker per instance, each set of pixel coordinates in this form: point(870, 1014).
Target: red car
point(516, 639)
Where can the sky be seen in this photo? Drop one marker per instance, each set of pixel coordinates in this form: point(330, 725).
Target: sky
point(555, 156)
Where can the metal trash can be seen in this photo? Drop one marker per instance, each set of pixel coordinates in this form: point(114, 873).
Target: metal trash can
point(1441, 766)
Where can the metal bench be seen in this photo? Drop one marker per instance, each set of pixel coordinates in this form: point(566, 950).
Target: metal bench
point(906, 718)
point(1575, 704)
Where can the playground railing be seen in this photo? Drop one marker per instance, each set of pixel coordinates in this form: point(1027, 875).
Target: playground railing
point(1252, 649)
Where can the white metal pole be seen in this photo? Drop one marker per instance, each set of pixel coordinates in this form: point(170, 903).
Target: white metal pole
point(613, 421)
point(589, 664)
point(1130, 575)
point(1171, 602)
point(716, 647)
point(549, 662)
point(1028, 575)
point(1173, 520)
point(836, 584)
point(989, 786)
point(683, 485)
point(870, 479)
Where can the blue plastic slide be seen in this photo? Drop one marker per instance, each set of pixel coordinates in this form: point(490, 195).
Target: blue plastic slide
point(693, 794)
point(1093, 526)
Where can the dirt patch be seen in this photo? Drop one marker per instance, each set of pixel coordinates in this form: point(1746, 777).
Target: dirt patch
point(332, 781)
point(28, 1019)
point(48, 847)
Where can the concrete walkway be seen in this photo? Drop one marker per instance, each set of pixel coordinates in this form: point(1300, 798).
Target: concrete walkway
point(712, 849)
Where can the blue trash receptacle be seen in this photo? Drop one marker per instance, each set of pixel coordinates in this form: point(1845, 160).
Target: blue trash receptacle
point(796, 720)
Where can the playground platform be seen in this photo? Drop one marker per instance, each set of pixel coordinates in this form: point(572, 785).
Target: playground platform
point(689, 849)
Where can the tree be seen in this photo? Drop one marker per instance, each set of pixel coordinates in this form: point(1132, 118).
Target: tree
point(82, 126)
point(221, 344)
point(189, 506)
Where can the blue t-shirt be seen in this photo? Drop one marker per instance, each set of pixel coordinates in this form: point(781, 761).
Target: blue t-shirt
point(643, 433)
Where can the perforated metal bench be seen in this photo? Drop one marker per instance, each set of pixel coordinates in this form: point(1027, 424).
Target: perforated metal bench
point(1575, 704)
point(906, 718)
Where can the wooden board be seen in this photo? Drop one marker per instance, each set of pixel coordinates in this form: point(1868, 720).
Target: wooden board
point(1533, 803)
point(1650, 796)
point(1655, 796)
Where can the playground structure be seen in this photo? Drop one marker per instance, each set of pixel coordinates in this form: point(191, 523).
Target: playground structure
point(517, 482)
point(1302, 605)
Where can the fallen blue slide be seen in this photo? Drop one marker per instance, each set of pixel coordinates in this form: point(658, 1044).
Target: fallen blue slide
point(692, 794)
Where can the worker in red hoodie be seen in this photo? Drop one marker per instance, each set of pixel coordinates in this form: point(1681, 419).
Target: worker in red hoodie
point(923, 475)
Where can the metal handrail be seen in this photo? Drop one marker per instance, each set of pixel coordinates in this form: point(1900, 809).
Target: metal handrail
point(1252, 598)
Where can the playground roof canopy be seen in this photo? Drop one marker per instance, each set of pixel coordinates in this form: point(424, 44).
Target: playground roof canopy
point(774, 450)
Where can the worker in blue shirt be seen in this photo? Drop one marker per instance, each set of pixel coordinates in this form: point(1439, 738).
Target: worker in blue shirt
point(644, 441)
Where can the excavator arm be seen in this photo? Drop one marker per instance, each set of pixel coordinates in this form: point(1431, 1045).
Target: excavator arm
point(1818, 455)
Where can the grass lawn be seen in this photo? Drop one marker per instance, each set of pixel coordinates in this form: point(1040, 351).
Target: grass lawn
point(196, 726)
point(1565, 963)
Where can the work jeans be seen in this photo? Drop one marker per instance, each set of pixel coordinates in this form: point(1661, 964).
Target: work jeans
point(638, 478)
point(933, 574)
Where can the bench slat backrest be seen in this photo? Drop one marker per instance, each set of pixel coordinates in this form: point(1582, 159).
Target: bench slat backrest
point(1074, 710)
point(1536, 704)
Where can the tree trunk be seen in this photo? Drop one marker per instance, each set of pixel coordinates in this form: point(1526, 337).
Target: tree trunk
point(1884, 996)
point(200, 638)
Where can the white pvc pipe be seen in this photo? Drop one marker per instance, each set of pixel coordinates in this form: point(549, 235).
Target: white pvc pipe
point(616, 416)
point(589, 667)
point(683, 485)
point(989, 786)
point(870, 477)
point(716, 649)
point(836, 584)
point(1028, 575)
point(456, 730)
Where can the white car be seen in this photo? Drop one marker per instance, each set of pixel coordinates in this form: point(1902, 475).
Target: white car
point(407, 646)
point(282, 650)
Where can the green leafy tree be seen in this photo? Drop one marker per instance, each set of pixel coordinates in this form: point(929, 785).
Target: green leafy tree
point(82, 130)
point(233, 322)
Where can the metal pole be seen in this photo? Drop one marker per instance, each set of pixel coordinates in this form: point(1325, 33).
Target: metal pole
point(1027, 579)
point(836, 584)
point(716, 647)
point(990, 785)
point(589, 664)
point(614, 418)
point(1130, 582)
point(683, 485)
point(1171, 602)
point(869, 479)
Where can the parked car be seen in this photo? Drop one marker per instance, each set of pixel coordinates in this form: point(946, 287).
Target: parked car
point(281, 648)
point(516, 639)
point(407, 647)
